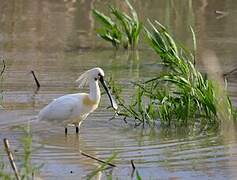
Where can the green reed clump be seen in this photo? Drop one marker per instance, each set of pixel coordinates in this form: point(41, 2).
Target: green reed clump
point(110, 30)
point(23, 159)
point(191, 95)
point(119, 28)
point(181, 95)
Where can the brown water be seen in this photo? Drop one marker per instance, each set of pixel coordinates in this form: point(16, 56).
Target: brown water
point(57, 40)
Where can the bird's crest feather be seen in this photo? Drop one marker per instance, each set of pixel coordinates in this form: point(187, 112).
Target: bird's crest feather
point(83, 79)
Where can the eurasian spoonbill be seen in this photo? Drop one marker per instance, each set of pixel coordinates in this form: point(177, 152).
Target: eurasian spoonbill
point(74, 108)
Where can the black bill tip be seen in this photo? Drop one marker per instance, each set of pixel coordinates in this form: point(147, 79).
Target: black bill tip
point(112, 101)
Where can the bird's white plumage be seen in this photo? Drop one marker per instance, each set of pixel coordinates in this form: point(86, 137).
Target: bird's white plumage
point(74, 108)
point(66, 109)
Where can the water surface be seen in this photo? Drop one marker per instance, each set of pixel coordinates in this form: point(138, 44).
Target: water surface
point(57, 40)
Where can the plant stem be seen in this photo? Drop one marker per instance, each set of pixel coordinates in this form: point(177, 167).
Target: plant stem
point(4, 67)
point(99, 160)
point(10, 157)
point(36, 80)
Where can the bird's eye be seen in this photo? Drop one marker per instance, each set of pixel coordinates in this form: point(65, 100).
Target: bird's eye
point(96, 79)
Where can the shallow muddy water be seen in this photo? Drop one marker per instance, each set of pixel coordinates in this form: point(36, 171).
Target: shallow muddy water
point(57, 40)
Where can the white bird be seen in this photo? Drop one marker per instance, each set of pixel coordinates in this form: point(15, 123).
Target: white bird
point(74, 108)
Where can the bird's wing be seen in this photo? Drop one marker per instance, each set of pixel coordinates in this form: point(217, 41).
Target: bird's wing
point(60, 109)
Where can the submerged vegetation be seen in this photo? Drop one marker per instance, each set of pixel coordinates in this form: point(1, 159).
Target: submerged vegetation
point(103, 167)
point(119, 28)
point(26, 169)
point(181, 95)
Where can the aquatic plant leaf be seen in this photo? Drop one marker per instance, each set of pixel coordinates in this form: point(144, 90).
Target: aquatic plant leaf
point(194, 42)
point(134, 13)
point(138, 176)
point(103, 19)
point(125, 28)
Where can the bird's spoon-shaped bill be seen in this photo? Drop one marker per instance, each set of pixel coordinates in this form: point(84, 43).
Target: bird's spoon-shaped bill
point(112, 101)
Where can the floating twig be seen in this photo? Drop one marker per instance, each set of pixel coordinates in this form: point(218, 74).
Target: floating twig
point(4, 67)
point(99, 160)
point(10, 157)
point(36, 80)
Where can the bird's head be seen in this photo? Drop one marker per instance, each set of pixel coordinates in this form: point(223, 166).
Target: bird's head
point(96, 74)
point(90, 75)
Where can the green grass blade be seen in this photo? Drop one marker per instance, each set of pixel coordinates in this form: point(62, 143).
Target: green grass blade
point(194, 43)
point(103, 19)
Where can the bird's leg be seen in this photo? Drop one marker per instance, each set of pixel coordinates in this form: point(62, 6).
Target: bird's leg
point(66, 130)
point(77, 129)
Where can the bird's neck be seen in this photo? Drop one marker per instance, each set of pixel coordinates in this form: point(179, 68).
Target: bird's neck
point(94, 94)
